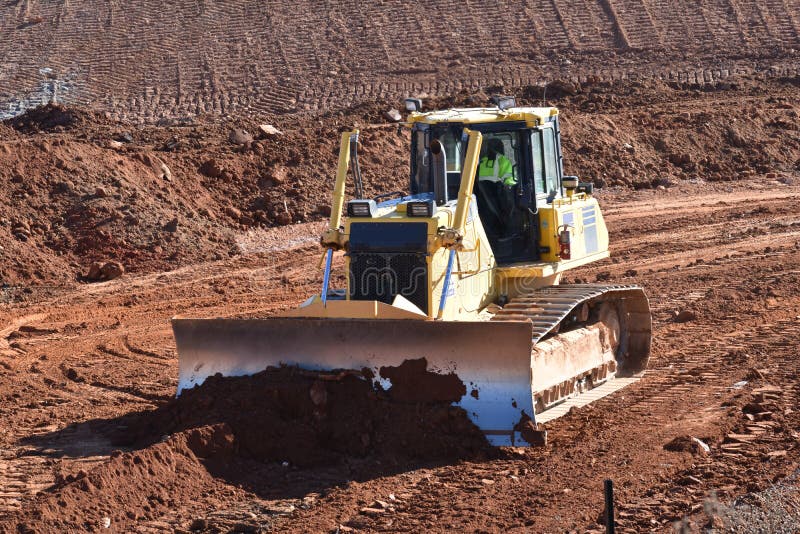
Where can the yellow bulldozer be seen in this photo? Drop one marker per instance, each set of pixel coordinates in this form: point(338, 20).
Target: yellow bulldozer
point(463, 270)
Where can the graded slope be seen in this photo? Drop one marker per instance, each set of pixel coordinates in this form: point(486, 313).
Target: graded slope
point(147, 60)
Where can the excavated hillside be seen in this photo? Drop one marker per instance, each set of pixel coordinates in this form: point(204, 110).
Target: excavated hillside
point(77, 188)
point(151, 61)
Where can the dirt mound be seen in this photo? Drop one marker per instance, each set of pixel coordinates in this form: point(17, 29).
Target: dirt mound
point(130, 487)
point(309, 418)
point(231, 426)
point(51, 118)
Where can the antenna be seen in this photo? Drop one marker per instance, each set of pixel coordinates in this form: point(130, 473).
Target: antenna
point(544, 95)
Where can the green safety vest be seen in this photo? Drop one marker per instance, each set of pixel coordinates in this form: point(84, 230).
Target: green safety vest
point(499, 170)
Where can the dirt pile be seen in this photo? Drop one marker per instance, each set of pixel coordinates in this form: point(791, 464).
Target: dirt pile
point(52, 118)
point(128, 488)
point(308, 418)
point(229, 426)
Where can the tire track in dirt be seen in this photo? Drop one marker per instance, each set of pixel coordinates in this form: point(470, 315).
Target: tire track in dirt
point(683, 389)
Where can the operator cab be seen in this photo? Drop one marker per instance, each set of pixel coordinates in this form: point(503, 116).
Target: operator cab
point(520, 169)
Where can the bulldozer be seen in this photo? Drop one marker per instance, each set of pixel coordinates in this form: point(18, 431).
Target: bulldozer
point(462, 269)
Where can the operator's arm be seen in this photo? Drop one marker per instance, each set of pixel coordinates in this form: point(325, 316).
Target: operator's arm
point(506, 171)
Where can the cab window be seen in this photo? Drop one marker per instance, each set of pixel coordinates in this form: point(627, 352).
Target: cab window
point(550, 161)
point(452, 150)
point(540, 188)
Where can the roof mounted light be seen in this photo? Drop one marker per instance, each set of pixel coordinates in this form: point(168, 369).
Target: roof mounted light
point(361, 208)
point(504, 102)
point(413, 104)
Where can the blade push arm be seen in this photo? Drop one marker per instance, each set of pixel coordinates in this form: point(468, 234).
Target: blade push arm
point(452, 236)
point(332, 238)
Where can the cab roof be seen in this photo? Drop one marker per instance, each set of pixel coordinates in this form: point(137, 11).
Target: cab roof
point(532, 116)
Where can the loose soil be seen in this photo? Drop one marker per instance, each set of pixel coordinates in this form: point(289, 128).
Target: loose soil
point(83, 365)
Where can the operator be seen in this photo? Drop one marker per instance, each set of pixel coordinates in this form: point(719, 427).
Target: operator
point(494, 165)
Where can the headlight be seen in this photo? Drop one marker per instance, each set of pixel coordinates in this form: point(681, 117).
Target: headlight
point(418, 208)
point(569, 182)
point(413, 104)
point(361, 208)
point(504, 102)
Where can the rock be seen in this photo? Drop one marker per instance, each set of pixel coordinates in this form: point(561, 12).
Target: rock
point(73, 375)
point(680, 159)
point(629, 148)
point(211, 168)
point(125, 137)
point(21, 234)
point(105, 522)
point(734, 138)
point(100, 193)
point(269, 130)
point(684, 316)
point(199, 524)
point(323, 209)
point(233, 213)
point(278, 174)
point(239, 136)
point(65, 186)
point(116, 145)
point(102, 271)
point(112, 270)
point(393, 115)
point(166, 174)
point(283, 218)
point(687, 444)
point(533, 435)
point(94, 271)
point(20, 225)
point(562, 87)
point(172, 226)
point(372, 512)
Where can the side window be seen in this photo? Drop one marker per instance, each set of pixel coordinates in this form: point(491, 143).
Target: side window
point(550, 160)
point(538, 165)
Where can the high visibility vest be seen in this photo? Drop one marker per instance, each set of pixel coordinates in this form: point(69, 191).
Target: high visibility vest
point(499, 170)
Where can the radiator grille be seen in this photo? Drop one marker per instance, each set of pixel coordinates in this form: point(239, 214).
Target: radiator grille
point(382, 276)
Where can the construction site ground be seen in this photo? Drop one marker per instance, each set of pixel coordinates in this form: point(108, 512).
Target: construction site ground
point(87, 356)
point(702, 212)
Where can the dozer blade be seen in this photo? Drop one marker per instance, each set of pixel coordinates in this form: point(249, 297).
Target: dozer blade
point(492, 359)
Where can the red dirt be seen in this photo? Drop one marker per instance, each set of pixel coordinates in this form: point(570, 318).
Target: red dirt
point(700, 184)
point(75, 197)
point(413, 382)
point(229, 426)
point(80, 360)
point(140, 62)
point(308, 419)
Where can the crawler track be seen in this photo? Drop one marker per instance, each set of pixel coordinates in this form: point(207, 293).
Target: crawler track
point(556, 319)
